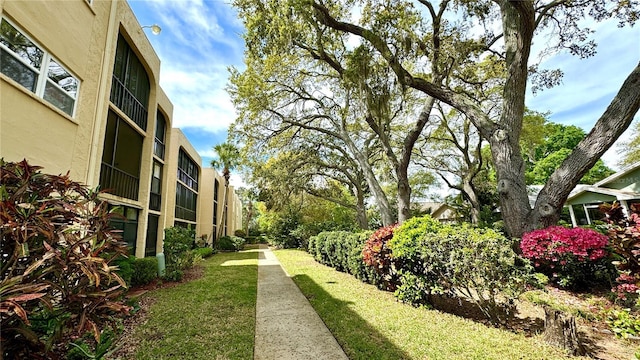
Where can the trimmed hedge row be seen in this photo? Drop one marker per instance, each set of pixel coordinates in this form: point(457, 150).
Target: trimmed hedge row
point(424, 258)
point(342, 250)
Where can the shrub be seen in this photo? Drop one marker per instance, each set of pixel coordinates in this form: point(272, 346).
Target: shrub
point(356, 264)
point(204, 252)
point(477, 264)
point(230, 243)
point(407, 240)
point(125, 267)
point(624, 234)
point(58, 278)
point(377, 254)
point(332, 248)
point(572, 257)
point(145, 270)
point(343, 251)
point(240, 233)
point(177, 242)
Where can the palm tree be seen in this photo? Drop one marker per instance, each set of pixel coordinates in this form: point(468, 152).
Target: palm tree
point(227, 160)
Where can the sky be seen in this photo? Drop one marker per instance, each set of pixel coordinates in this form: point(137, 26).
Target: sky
point(201, 39)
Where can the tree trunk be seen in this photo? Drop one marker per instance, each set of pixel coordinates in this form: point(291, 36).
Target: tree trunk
point(361, 211)
point(224, 207)
point(404, 196)
point(518, 19)
point(469, 192)
point(560, 331)
point(378, 194)
point(249, 216)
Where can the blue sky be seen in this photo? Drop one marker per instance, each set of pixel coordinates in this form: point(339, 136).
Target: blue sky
point(200, 39)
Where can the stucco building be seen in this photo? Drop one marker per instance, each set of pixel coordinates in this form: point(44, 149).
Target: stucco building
point(80, 93)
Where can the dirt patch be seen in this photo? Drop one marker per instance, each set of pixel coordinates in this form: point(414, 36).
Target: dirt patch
point(594, 333)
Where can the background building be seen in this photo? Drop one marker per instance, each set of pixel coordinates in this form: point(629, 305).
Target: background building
point(80, 93)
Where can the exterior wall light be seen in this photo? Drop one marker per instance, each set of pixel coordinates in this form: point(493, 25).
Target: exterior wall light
point(155, 28)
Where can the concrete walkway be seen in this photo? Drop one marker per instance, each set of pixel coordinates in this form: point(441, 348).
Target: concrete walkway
point(287, 327)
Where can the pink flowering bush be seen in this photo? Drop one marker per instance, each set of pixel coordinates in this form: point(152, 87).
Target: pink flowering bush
point(624, 233)
point(572, 257)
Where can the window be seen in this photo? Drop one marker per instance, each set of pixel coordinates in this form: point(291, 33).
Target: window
point(130, 86)
point(152, 235)
point(158, 145)
point(30, 66)
point(186, 202)
point(155, 200)
point(187, 170)
point(120, 169)
point(126, 223)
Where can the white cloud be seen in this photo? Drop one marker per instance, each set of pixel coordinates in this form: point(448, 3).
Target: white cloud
point(237, 181)
point(589, 84)
point(199, 40)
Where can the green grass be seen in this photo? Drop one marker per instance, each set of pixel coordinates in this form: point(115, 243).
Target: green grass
point(209, 318)
point(542, 298)
point(371, 324)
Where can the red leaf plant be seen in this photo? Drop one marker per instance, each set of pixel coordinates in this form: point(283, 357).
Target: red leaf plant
point(56, 262)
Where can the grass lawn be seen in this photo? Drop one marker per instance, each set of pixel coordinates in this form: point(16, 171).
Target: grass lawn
point(209, 318)
point(371, 324)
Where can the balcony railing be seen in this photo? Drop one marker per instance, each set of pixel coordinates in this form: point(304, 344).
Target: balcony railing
point(118, 182)
point(158, 148)
point(155, 200)
point(185, 214)
point(187, 179)
point(127, 102)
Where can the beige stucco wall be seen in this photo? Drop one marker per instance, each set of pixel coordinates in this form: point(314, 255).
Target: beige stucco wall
point(179, 141)
point(83, 39)
point(168, 190)
point(124, 22)
point(32, 128)
point(205, 202)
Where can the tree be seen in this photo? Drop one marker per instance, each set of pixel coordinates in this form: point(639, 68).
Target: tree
point(454, 152)
point(282, 106)
point(630, 150)
point(375, 97)
point(248, 196)
point(556, 145)
point(520, 21)
point(317, 172)
point(228, 158)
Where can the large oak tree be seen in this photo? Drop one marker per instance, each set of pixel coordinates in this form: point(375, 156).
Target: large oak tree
point(509, 29)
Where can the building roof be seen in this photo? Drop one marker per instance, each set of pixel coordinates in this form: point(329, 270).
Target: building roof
point(600, 186)
point(618, 175)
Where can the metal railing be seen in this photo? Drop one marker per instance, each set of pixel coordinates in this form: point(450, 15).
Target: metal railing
point(185, 214)
point(118, 182)
point(128, 103)
point(187, 179)
point(158, 148)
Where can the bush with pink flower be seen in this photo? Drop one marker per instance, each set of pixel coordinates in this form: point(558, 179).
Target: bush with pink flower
point(624, 232)
point(572, 257)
